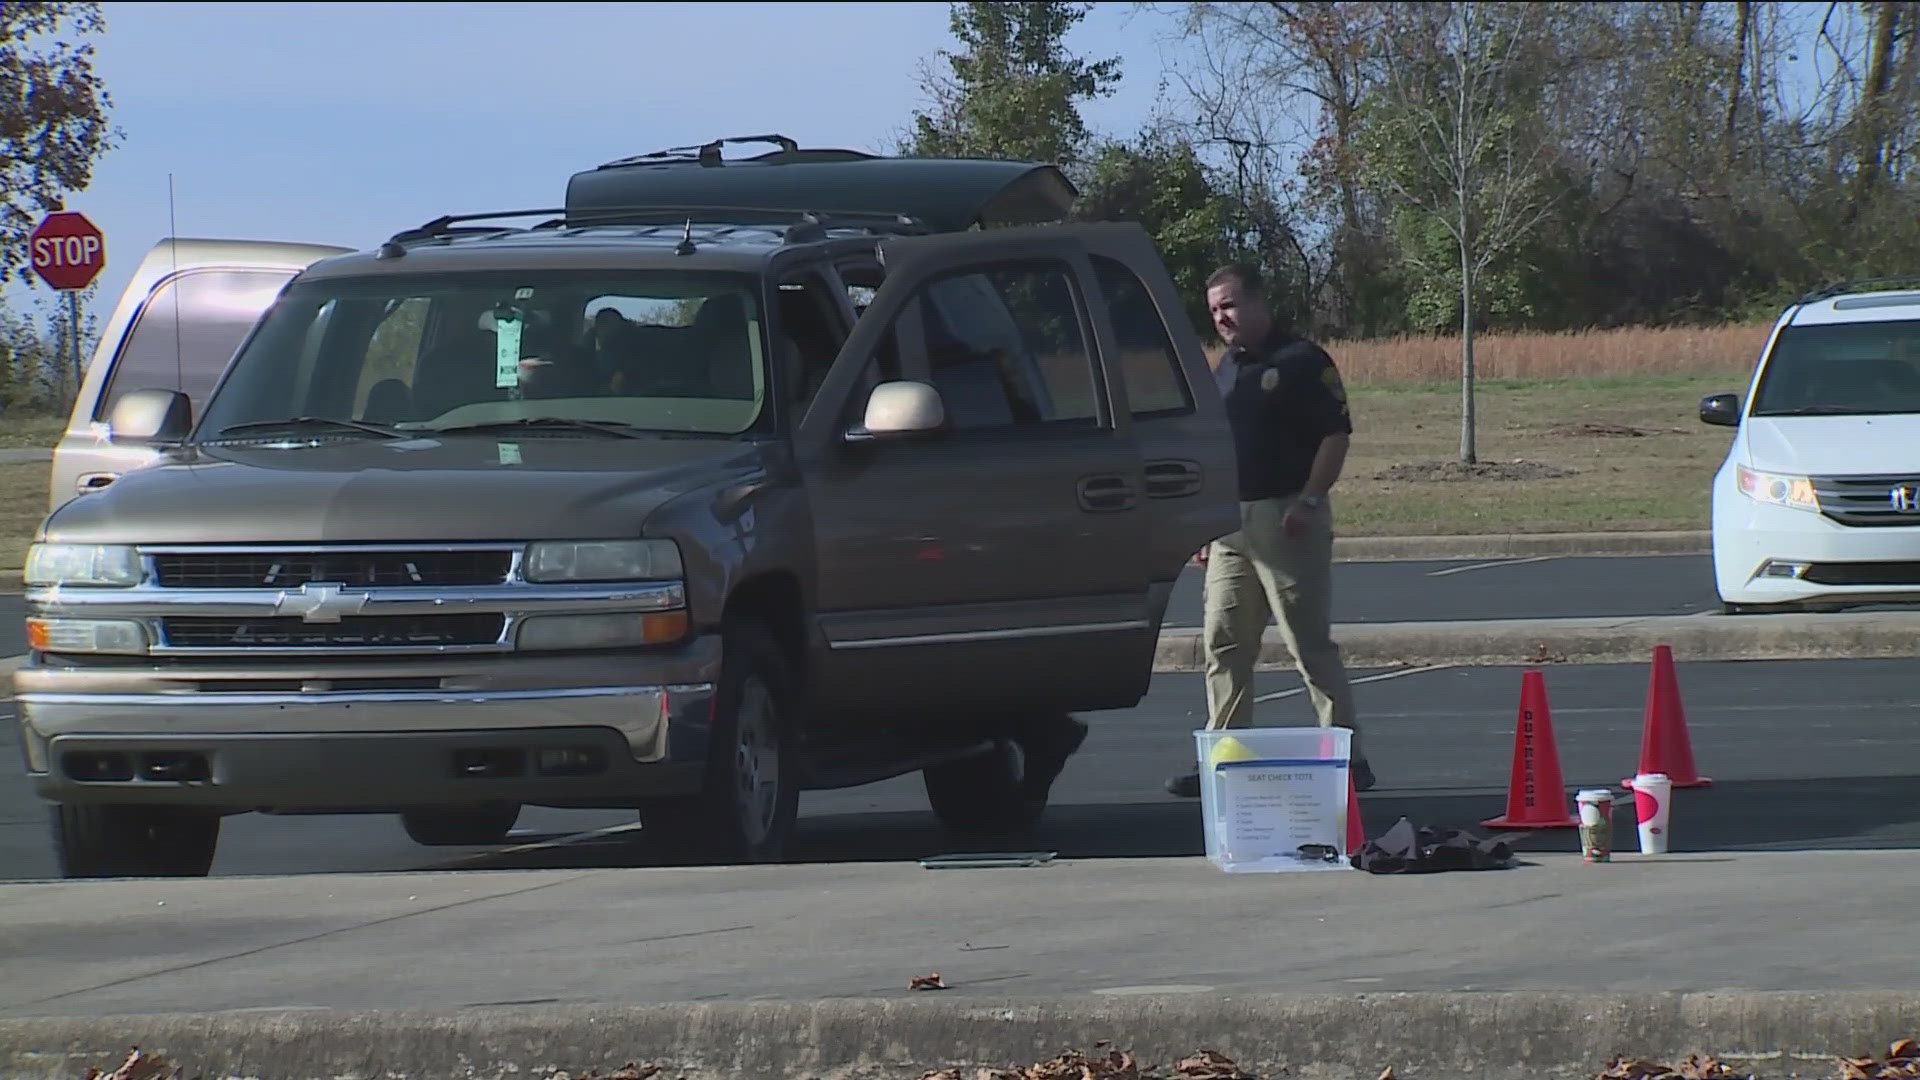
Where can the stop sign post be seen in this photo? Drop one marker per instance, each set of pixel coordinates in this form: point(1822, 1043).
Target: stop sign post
point(68, 252)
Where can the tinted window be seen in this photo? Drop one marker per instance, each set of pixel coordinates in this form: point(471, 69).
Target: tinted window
point(1839, 369)
point(657, 350)
point(1006, 347)
point(1151, 366)
point(216, 309)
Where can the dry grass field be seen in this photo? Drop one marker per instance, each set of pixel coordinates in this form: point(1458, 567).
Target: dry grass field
point(1592, 354)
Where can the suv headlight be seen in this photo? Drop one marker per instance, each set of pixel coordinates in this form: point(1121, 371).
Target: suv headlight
point(603, 560)
point(96, 565)
point(1776, 489)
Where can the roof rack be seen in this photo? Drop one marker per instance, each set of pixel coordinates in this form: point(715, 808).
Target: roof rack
point(801, 226)
point(707, 154)
point(1842, 288)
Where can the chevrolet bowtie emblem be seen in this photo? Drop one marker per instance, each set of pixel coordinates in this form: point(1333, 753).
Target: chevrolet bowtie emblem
point(321, 603)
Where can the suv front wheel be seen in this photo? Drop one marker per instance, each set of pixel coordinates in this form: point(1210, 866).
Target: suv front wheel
point(751, 795)
point(134, 841)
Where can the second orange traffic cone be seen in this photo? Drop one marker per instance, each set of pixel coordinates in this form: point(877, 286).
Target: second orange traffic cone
point(1664, 744)
point(1356, 832)
point(1536, 794)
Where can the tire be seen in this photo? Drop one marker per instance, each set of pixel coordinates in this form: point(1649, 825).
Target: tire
point(751, 795)
point(134, 841)
point(983, 795)
point(460, 826)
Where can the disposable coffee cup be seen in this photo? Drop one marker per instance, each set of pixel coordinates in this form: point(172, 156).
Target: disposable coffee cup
point(1596, 824)
point(1652, 802)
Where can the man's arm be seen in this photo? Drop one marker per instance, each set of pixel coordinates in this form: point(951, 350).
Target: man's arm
point(1327, 463)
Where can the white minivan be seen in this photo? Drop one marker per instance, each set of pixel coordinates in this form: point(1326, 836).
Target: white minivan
point(1817, 505)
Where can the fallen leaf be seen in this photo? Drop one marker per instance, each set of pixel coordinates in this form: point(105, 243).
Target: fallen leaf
point(1905, 1048)
point(1386, 1073)
point(927, 982)
point(630, 1071)
point(1857, 1068)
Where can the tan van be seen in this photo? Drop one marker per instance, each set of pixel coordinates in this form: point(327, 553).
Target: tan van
point(177, 323)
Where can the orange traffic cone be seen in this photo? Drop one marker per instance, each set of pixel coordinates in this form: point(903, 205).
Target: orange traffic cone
point(1664, 745)
point(1356, 832)
point(1536, 795)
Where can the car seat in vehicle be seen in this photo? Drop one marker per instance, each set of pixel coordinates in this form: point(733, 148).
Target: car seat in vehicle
point(390, 401)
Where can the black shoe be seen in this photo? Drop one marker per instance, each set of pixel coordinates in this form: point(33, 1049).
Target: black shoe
point(1362, 775)
point(1185, 787)
point(1047, 751)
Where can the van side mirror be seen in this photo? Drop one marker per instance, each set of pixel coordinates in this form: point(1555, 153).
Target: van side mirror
point(1721, 410)
point(151, 416)
point(901, 410)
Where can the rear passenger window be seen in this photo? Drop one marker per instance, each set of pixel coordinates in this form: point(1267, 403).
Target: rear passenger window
point(1156, 385)
point(215, 309)
point(1007, 347)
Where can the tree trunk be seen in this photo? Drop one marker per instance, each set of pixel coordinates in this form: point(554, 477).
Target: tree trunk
point(1872, 113)
point(1468, 452)
point(1742, 29)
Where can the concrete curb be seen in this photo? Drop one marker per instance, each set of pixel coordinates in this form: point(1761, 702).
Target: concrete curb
point(1509, 642)
point(1512, 1036)
point(1520, 545)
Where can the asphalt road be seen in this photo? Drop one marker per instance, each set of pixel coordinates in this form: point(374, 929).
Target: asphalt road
point(1419, 591)
point(1804, 755)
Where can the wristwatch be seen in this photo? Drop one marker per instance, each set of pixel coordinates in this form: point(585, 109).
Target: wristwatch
point(1311, 502)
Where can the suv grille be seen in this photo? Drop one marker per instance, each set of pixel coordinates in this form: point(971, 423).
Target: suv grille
point(361, 569)
point(360, 631)
point(1865, 500)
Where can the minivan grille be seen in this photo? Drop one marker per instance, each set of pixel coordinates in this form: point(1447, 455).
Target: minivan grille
point(354, 632)
point(1867, 500)
point(1863, 573)
point(361, 569)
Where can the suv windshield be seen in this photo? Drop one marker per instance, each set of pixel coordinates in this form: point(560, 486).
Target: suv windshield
point(653, 350)
point(1842, 369)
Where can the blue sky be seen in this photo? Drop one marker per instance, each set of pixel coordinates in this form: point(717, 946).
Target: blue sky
point(342, 123)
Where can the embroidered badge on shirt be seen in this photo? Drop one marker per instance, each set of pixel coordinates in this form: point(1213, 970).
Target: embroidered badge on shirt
point(1269, 380)
point(1331, 377)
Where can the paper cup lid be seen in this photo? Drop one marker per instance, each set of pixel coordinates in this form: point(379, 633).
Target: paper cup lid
point(1594, 795)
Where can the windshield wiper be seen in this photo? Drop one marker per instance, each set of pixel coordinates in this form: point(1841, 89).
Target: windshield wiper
point(292, 423)
point(1828, 410)
point(551, 423)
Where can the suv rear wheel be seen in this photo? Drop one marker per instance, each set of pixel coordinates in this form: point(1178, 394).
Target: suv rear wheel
point(460, 826)
point(747, 805)
point(134, 841)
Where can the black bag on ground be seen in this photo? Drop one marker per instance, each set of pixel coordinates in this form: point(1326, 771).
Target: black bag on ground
point(1405, 849)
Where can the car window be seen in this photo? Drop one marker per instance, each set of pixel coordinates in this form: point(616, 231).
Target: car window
point(1156, 385)
point(668, 350)
point(188, 330)
point(1841, 368)
point(1006, 347)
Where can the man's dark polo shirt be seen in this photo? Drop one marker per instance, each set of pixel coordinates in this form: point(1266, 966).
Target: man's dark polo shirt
point(1282, 399)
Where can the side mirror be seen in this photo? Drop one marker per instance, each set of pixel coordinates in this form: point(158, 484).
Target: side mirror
point(1721, 410)
point(151, 416)
point(899, 410)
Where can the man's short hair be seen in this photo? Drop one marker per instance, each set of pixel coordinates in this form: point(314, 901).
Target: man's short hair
point(1245, 275)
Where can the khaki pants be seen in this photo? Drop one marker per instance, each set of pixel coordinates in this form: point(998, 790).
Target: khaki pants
point(1259, 572)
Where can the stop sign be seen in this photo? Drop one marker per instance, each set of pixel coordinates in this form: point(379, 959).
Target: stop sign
point(68, 250)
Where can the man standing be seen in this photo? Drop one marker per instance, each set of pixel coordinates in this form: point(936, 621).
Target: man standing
point(1291, 426)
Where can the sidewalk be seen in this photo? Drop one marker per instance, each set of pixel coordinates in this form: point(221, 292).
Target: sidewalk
point(1168, 951)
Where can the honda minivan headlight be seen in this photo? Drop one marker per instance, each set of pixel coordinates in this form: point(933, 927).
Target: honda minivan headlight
point(1777, 489)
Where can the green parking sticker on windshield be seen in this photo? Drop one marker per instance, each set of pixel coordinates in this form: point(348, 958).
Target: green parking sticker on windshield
point(506, 350)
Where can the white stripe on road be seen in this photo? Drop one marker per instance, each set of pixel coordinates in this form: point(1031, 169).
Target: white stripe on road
point(1490, 565)
point(558, 841)
point(1382, 677)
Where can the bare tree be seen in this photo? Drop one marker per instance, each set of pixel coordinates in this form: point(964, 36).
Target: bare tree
point(1456, 139)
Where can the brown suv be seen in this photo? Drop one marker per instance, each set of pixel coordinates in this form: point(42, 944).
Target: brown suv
point(729, 479)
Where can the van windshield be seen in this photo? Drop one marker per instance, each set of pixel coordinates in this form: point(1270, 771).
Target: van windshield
point(650, 351)
point(1842, 369)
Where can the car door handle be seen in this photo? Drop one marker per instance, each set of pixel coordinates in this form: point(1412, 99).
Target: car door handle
point(94, 481)
point(1173, 479)
point(1105, 494)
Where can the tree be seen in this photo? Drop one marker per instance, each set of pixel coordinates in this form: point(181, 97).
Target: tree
point(53, 115)
point(1159, 181)
point(1012, 91)
point(1454, 136)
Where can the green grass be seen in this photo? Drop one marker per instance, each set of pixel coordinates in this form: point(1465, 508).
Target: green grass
point(17, 432)
point(1620, 482)
point(23, 502)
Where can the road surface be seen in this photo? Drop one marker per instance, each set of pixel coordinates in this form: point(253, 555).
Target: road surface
point(1804, 754)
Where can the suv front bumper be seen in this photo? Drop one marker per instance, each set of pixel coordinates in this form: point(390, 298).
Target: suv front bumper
point(557, 731)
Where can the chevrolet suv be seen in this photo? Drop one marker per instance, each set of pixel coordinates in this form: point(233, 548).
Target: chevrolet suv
point(728, 479)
